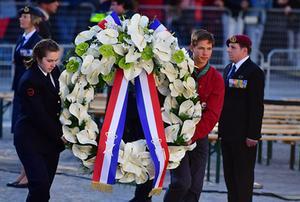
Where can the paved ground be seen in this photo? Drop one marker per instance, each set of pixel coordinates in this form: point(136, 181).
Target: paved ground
point(72, 185)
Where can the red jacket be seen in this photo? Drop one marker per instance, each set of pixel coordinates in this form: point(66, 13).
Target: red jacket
point(211, 92)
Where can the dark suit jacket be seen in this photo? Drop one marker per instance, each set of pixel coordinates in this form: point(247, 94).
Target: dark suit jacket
point(38, 124)
point(243, 107)
point(21, 55)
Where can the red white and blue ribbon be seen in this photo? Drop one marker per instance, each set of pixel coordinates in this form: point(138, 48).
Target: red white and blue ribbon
point(112, 18)
point(113, 126)
point(111, 134)
point(150, 115)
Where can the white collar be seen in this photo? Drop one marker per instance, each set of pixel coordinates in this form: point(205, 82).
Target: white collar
point(46, 15)
point(239, 63)
point(28, 35)
point(45, 73)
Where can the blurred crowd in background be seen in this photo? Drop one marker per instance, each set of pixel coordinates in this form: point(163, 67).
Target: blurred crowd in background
point(269, 23)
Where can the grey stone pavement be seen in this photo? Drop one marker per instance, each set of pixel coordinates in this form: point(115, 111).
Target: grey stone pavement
point(71, 184)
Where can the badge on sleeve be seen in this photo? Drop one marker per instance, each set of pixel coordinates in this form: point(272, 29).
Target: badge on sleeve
point(237, 83)
point(30, 92)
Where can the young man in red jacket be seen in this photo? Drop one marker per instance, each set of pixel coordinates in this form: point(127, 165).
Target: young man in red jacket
point(187, 179)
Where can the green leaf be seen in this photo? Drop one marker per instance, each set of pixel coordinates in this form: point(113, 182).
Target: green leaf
point(121, 37)
point(81, 48)
point(72, 66)
point(101, 83)
point(123, 65)
point(147, 53)
point(109, 77)
point(183, 117)
point(178, 57)
point(180, 140)
point(107, 50)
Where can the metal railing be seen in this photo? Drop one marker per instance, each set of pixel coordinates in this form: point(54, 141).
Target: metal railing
point(282, 75)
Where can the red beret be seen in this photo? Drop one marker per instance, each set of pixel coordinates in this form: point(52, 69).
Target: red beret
point(240, 39)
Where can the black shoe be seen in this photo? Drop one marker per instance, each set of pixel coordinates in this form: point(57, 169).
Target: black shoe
point(17, 185)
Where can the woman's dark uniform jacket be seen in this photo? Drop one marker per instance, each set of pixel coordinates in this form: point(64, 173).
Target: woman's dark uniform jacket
point(243, 103)
point(20, 56)
point(38, 127)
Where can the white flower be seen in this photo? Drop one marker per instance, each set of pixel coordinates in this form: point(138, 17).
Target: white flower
point(176, 88)
point(183, 66)
point(70, 134)
point(146, 65)
point(132, 72)
point(106, 64)
point(65, 117)
point(86, 95)
point(162, 51)
point(191, 64)
point(86, 65)
point(108, 36)
point(93, 50)
point(169, 70)
point(187, 108)
point(119, 49)
point(84, 36)
point(75, 77)
point(190, 88)
point(162, 84)
point(135, 30)
point(170, 103)
point(64, 81)
point(86, 137)
point(132, 55)
point(144, 20)
point(198, 110)
point(82, 152)
point(172, 132)
point(164, 36)
point(89, 163)
point(171, 118)
point(188, 129)
point(72, 97)
point(93, 76)
point(79, 111)
point(91, 126)
point(133, 159)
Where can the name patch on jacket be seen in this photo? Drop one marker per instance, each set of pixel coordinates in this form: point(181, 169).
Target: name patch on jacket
point(26, 52)
point(237, 83)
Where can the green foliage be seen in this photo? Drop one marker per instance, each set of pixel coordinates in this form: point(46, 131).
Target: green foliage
point(72, 66)
point(81, 48)
point(107, 50)
point(178, 57)
point(122, 64)
point(147, 53)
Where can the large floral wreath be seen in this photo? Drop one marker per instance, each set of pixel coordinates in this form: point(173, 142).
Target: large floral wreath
point(134, 48)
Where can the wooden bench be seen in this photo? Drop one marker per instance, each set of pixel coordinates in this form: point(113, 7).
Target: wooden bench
point(281, 122)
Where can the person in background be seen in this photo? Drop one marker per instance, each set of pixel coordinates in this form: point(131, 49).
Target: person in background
point(123, 7)
point(187, 179)
point(47, 7)
point(29, 19)
point(255, 19)
point(241, 119)
point(38, 132)
point(293, 27)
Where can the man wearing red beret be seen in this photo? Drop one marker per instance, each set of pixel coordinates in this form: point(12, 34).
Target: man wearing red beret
point(241, 119)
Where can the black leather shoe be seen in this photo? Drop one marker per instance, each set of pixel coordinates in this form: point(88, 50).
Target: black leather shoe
point(17, 185)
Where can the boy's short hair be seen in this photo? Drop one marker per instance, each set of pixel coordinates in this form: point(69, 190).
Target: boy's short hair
point(200, 35)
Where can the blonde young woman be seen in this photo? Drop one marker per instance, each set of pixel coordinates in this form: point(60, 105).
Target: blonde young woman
point(29, 19)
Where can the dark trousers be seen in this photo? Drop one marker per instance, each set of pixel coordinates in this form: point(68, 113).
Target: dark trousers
point(40, 170)
point(238, 164)
point(187, 179)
